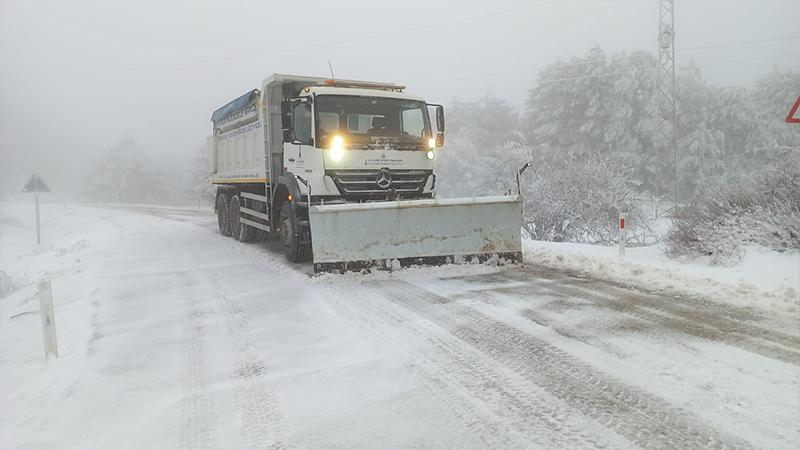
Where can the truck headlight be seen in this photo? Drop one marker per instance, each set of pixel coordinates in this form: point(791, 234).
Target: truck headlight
point(337, 148)
point(431, 143)
point(430, 155)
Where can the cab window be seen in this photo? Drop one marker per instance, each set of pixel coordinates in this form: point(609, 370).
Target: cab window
point(302, 123)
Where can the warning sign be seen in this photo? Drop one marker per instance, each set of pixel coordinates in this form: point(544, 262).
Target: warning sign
point(35, 184)
point(793, 116)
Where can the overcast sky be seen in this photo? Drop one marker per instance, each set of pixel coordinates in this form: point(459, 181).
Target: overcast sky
point(76, 76)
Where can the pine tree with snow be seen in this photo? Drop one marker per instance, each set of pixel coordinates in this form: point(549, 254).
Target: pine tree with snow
point(700, 161)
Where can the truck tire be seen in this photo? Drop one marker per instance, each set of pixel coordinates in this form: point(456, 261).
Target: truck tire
point(223, 214)
point(240, 231)
point(290, 235)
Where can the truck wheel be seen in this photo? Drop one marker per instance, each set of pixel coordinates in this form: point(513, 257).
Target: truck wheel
point(223, 215)
point(242, 232)
point(290, 235)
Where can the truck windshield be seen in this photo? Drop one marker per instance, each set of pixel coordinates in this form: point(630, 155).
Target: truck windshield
point(372, 122)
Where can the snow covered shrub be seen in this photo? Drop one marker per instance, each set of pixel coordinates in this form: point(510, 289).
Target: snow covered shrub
point(579, 198)
point(764, 210)
point(568, 198)
point(8, 284)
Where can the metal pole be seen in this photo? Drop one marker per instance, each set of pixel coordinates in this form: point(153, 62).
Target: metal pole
point(674, 110)
point(665, 84)
point(36, 196)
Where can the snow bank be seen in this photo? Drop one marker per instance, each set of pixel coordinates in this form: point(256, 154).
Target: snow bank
point(763, 278)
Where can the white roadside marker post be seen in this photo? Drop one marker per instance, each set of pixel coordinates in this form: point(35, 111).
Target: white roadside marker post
point(48, 320)
point(621, 235)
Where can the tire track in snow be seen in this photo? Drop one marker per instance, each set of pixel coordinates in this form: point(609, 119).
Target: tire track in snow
point(501, 408)
point(489, 297)
point(261, 418)
point(715, 323)
point(736, 318)
point(633, 413)
point(198, 415)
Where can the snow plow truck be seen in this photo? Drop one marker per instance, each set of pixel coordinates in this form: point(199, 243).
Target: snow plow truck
point(342, 173)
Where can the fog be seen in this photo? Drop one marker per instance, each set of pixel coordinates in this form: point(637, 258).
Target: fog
point(78, 77)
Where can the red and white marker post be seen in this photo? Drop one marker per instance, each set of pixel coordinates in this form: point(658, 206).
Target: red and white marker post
point(622, 235)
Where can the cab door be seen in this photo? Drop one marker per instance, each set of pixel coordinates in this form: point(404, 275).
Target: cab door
point(299, 143)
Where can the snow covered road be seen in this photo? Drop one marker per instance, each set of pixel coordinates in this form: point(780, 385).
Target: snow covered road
point(172, 336)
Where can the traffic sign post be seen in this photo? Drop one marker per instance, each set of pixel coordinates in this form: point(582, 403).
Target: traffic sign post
point(36, 185)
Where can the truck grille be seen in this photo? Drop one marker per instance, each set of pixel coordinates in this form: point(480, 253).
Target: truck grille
point(363, 184)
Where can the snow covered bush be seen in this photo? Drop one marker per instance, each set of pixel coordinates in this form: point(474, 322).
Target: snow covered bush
point(579, 199)
point(762, 210)
point(8, 283)
point(569, 195)
point(568, 198)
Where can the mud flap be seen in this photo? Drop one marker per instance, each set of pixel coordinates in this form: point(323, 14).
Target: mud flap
point(356, 235)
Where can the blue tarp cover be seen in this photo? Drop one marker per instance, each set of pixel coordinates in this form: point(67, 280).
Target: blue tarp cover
point(234, 105)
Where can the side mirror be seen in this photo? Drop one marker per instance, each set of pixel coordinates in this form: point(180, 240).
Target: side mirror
point(440, 140)
point(440, 118)
point(287, 121)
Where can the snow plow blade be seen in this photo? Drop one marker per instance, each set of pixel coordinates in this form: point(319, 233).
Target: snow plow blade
point(360, 235)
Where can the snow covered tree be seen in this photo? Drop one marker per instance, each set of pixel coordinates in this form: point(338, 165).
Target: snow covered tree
point(489, 120)
point(598, 143)
point(126, 175)
point(773, 139)
point(700, 159)
point(598, 105)
point(468, 163)
point(201, 191)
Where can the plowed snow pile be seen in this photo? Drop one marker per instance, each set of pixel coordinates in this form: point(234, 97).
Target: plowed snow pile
point(762, 279)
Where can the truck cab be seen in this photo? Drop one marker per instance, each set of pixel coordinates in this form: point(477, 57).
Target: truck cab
point(354, 142)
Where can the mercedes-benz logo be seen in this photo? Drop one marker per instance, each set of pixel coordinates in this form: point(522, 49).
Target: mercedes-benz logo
point(384, 179)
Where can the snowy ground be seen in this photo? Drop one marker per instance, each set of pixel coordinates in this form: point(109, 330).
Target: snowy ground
point(763, 279)
point(172, 336)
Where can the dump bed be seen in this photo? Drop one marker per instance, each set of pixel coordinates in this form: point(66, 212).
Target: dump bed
point(237, 147)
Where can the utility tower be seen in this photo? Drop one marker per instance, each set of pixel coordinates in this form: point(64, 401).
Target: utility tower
point(665, 82)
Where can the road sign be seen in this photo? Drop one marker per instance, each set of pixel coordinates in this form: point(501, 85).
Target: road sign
point(36, 185)
point(793, 116)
